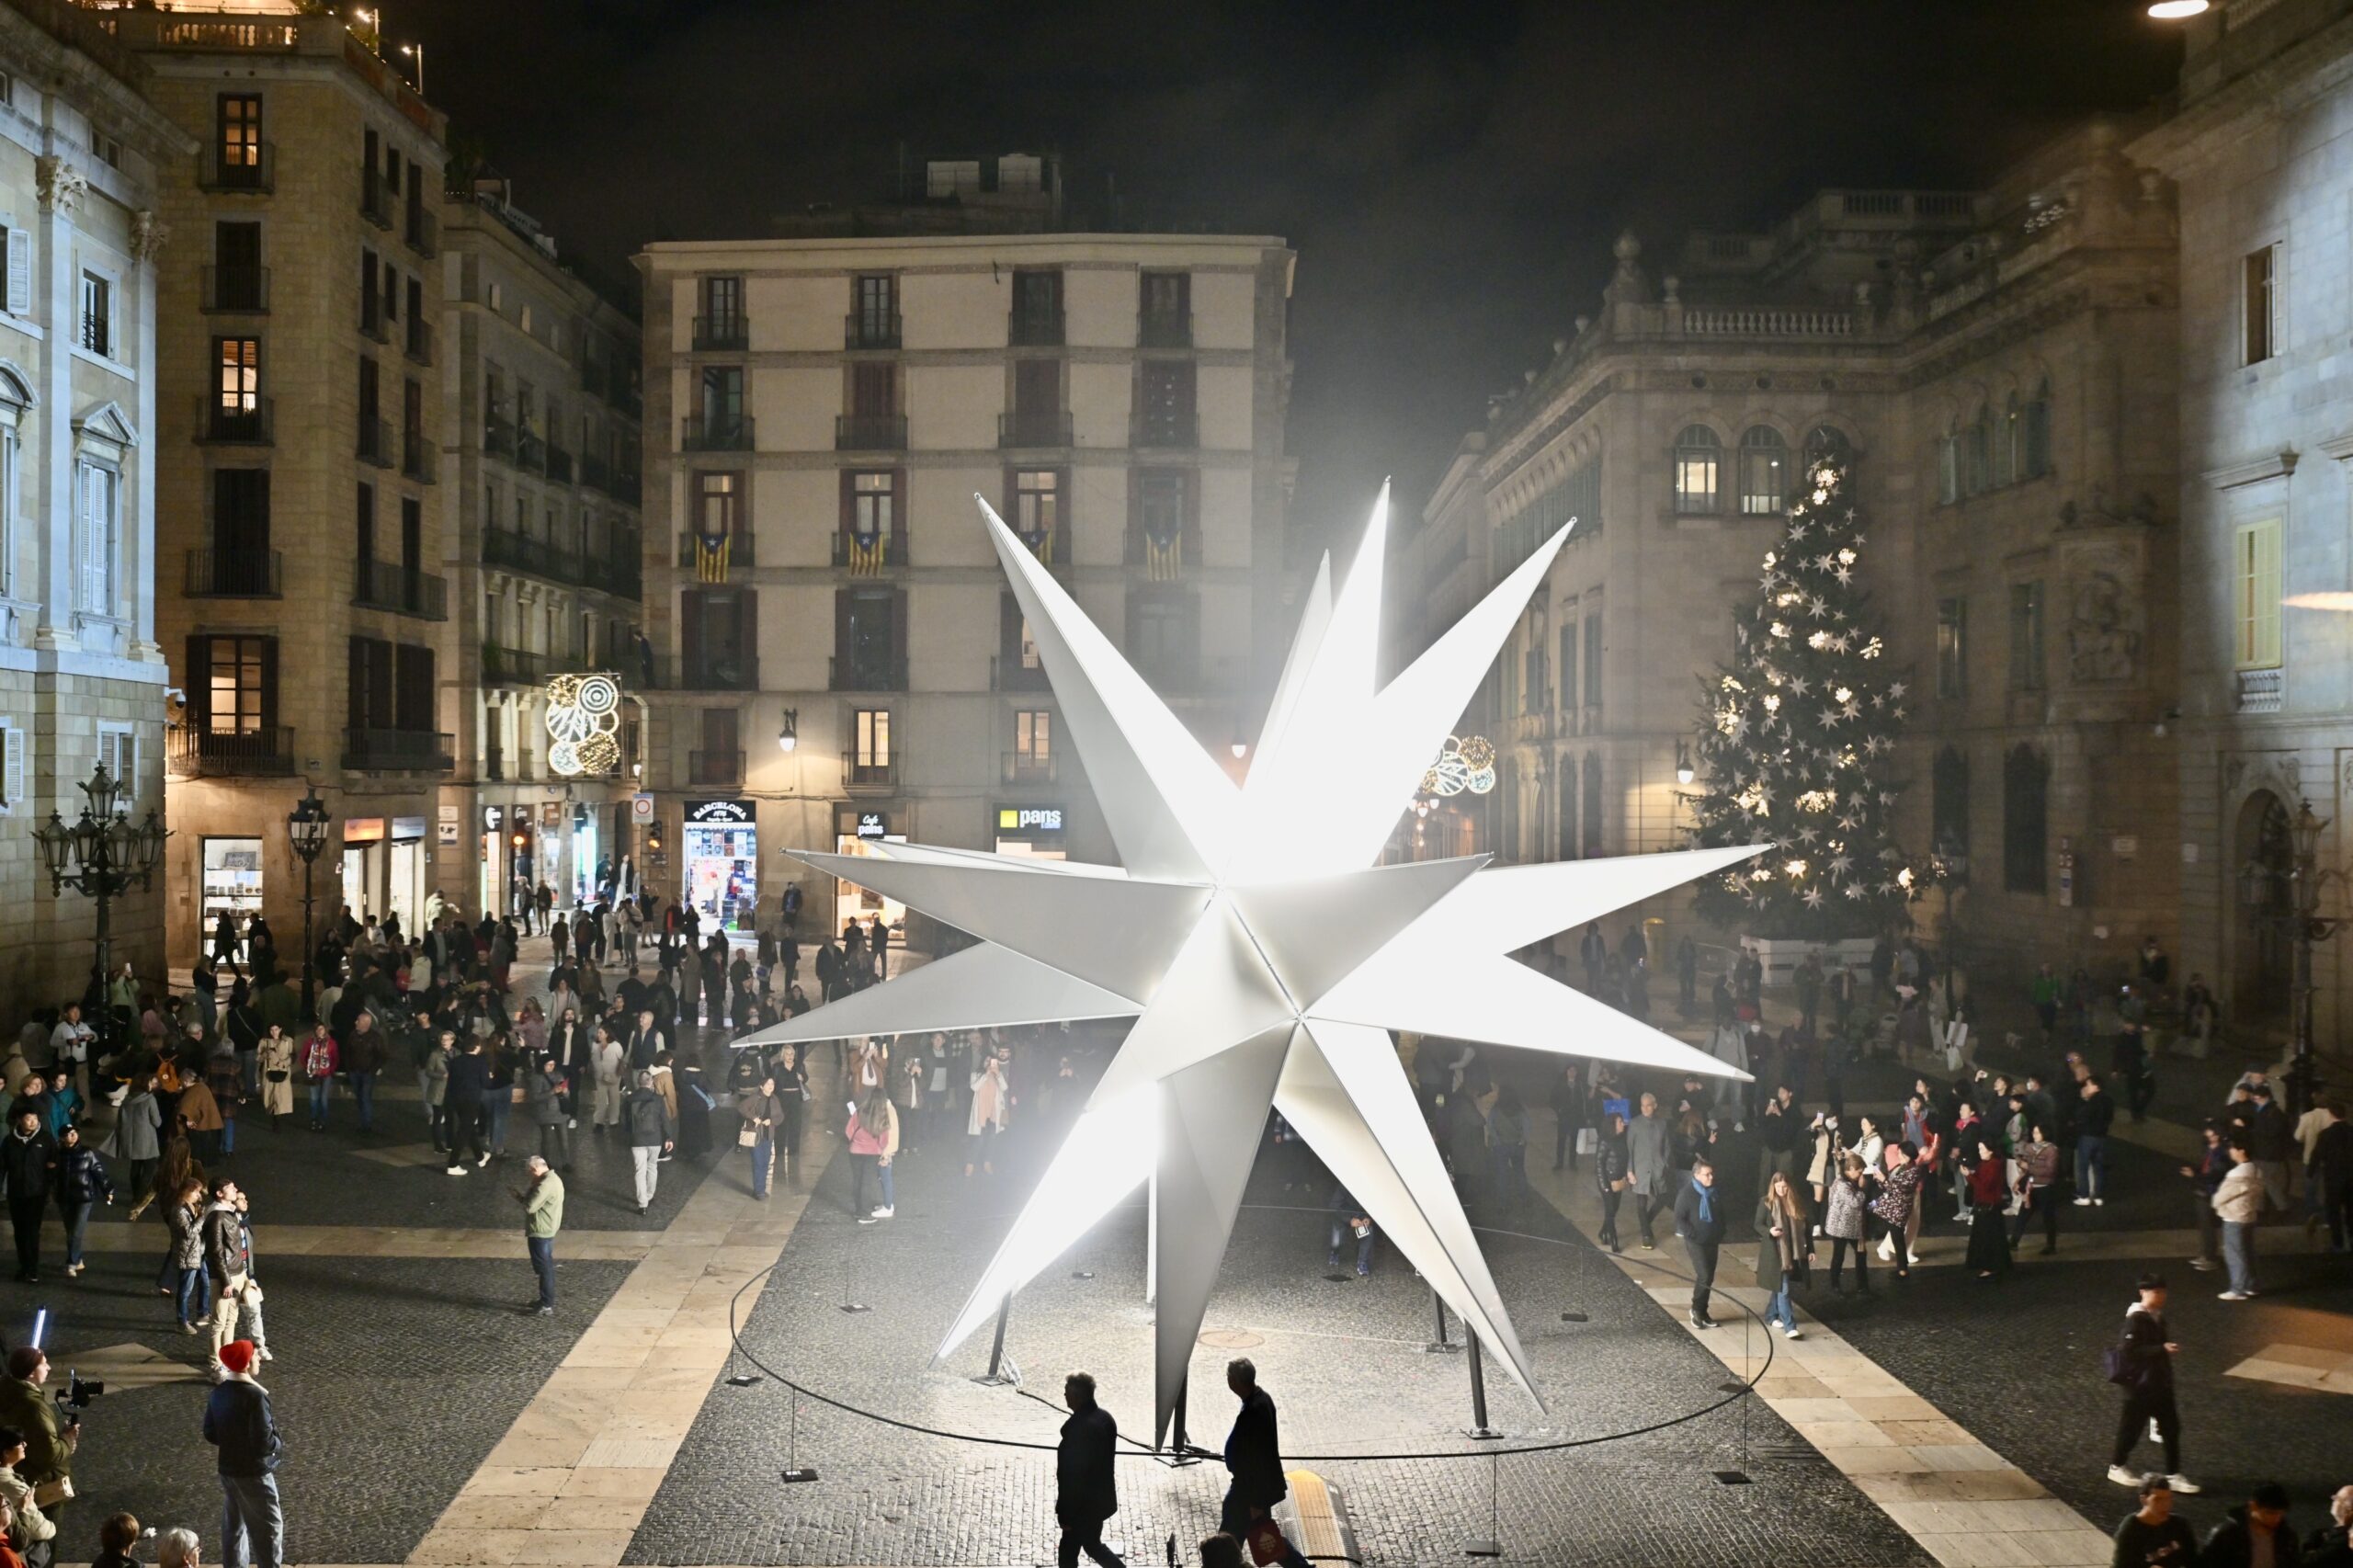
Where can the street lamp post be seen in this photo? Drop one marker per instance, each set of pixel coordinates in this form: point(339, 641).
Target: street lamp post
point(100, 857)
point(306, 829)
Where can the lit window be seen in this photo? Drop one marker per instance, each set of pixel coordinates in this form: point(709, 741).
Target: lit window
point(1698, 454)
point(2256, 573)
point(1763, 472)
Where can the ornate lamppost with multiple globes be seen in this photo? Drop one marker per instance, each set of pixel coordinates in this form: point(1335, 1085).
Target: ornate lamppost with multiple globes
point(306, 830)
point(2291, 896)
point(100, 857)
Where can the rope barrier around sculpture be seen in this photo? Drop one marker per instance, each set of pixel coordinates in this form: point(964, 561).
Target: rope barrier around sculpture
point(1134, 1449)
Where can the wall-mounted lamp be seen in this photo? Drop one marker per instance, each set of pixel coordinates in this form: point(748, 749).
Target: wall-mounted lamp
point(1241, 745)
point(790, 735)
point(1682, 762)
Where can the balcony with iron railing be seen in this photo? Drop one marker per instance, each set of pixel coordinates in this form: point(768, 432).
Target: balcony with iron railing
point(423, 232)
point(502, 665)
point(559, 465)
point(705, 671)
point(714, 767)
point(865, 674)
point(375, 199)
point(892, 553)
point(530, 450)
point(420, 459)
point(404, 751)
point(871, 329)
point(1176, 432)
point(869, 432)
point(740, 551)
point(520, 553)
point(595, 471)
point(1051, 547)
point(418, 345)
point(405, 590)
point(247, 423)
point(248, 169)
point(628, 488)
point(1026, 768)
point(498, 437)
point(232, 573)
point(375, 444)
point(1035, 328)
point(871, 772)
point(623, 395)
point(1033, 428)
point(372, 322)
point(1008, 673)
point(715, 433)
point(729, 333)
point(1165, 329)
point(264, 752)
point(236, 290)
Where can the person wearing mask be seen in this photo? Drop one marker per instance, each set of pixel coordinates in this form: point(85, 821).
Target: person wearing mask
point(543, 1201)
point(1784, 1249)
point(1085, 1491)
point(647, 1117)
point(2093, 1120)
point(1253, 1458)
point(2142, 1367)
point(27, 1164)
point(81, 1181)
point(2152, 1536)
point(1700, 1221)
point(1650, 1166)
point(2238, 1203)
point(2255, 1535)
point(238, 1422)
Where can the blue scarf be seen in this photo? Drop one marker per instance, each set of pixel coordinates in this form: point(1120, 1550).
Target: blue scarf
point(1707, 1203)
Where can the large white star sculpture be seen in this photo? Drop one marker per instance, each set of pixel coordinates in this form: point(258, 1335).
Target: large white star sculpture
point(1261, 953)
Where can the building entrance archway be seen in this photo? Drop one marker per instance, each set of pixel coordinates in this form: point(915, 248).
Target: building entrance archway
point(2263, 948)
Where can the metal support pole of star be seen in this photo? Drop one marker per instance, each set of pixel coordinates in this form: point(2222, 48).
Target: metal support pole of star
point(1442, 1345)
point(794, 1471)
point(1478, 1431)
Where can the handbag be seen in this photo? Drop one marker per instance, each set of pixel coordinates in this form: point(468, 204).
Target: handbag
point(747, 1136)
point(1264, 1539)
point(276, 1075)
point(1587, 1141)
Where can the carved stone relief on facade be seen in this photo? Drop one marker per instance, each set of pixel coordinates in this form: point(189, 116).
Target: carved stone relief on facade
point(149, 235)
point(2104, 575)
point(58, 186)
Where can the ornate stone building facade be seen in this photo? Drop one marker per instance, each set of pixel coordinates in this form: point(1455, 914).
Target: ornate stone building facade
point(1997, 368)
point(82, 676)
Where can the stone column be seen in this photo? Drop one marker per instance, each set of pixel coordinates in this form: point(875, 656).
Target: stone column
point(148, 237)
point(56, 284)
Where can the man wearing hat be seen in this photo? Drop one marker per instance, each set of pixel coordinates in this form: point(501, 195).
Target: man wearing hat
point(237, 1422)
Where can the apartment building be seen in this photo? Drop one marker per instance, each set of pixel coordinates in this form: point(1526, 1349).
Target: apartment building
point(541, 385)
point(838, 658)
point(299, 428)
point(1995, 367)
point(82, 677)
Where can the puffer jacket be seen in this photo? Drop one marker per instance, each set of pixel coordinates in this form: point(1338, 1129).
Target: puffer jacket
point(186, 1223)
point(82, 1177)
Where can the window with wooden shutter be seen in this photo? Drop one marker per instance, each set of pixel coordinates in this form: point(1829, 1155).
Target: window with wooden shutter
point(14, 752)
point(96, 507)
point(412, 689)
point(2256, 584)
point(20, 272)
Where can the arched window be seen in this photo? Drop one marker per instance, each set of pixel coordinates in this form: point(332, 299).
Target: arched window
point(1567, 803)
point(1827, 441)
point(1593, 803)
point(1949, 466)
point(1698, 456)
point(2034, 438)
point(2026, 785)
point(2007, 468)
point(1977, 457)
point(1949, 810)
point(1764, 471)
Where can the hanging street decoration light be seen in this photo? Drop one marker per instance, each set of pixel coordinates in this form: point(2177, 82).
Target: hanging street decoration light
point(584, 721)
point(1461, 765)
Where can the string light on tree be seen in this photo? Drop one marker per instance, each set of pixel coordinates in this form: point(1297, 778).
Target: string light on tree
point(1771, 767)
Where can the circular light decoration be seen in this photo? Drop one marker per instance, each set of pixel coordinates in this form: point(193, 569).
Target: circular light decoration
point(1461, 765)
point(583, 720)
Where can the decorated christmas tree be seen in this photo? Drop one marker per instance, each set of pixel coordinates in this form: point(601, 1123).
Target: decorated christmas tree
point(1796, 743)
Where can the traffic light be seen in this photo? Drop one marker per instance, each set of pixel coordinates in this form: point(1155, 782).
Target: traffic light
point(521, 840)
point(654, 838)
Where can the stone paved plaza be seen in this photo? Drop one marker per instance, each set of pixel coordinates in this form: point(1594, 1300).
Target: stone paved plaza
point(427, 1421)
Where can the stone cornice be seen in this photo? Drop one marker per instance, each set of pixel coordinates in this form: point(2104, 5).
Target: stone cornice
point(2254, 470)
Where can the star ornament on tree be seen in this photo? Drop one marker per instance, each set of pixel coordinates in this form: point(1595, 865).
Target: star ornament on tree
point(1262, 953)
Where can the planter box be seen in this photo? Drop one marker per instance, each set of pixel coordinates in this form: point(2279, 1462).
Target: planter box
point(1781, 955)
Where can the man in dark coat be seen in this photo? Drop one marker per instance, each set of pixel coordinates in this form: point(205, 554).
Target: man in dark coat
point(1084, 1495)
point(28, 1156)
point(2257, 1533)
point(1253, 1457)
point(461, 1103)
point(1700, 1220)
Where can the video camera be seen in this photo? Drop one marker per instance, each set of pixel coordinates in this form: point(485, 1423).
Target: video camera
point(78, 1391)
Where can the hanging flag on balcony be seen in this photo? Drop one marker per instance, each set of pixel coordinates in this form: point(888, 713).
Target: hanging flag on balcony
point(710, 555)
point(869, 545)
point(1164, 548)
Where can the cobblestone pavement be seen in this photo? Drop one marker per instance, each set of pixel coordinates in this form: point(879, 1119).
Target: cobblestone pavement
point(1344, 1358)
point(392, 1382)
point(2018, 1364)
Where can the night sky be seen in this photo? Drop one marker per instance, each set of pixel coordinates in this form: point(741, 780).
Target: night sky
point(1450, 175)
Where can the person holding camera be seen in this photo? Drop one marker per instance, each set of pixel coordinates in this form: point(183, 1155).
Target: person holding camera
point(237, 1421)
point(51, 1434)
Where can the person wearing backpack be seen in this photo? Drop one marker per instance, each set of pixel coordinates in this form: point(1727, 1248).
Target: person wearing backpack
point(2141, 1364)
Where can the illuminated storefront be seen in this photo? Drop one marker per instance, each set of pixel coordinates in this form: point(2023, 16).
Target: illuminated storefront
point(855, 832)
point(723, 859)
